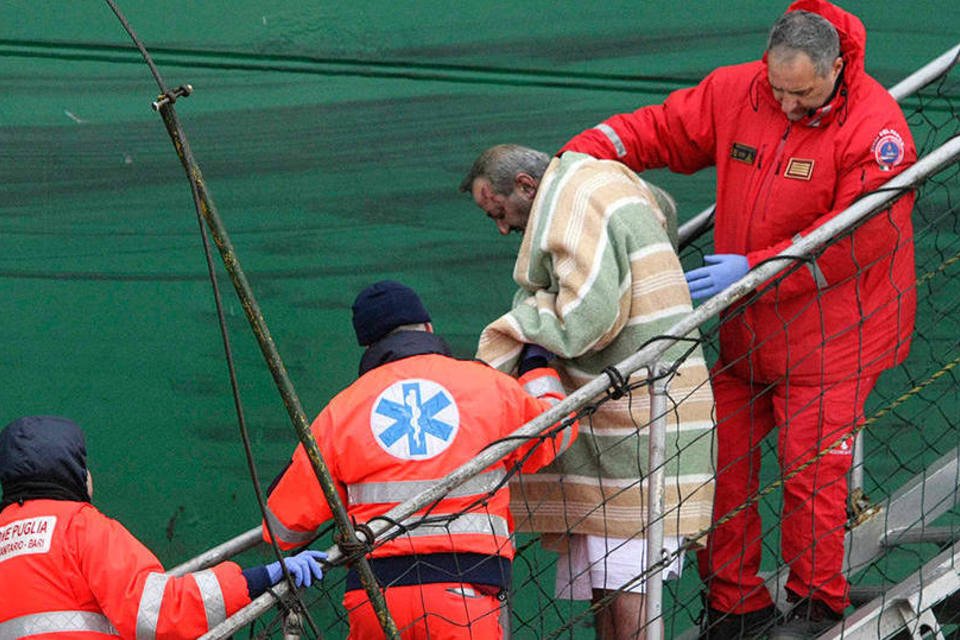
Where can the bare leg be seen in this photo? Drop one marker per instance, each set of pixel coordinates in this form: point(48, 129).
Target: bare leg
point(621, 619)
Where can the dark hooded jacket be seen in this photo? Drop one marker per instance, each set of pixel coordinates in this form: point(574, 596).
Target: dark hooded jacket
point(43, 457)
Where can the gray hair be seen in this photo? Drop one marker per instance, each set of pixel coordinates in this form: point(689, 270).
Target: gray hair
point(802, 31)
point(501, 164)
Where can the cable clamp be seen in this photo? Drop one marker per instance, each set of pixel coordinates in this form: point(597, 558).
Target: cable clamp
point(361, 543)
point(170, 96)
point(619, 386)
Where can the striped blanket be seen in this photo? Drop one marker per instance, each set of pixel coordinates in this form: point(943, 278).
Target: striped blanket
point(599, 277)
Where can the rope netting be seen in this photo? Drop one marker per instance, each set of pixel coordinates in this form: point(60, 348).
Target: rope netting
point(910, 421)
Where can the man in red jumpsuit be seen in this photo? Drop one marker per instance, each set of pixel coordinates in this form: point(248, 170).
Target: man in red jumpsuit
point(795, 138)
point(414, 415)
point(68, 570)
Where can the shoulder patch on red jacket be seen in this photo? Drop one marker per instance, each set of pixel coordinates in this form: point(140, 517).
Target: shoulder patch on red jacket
point(743, 153)
point(887, 149)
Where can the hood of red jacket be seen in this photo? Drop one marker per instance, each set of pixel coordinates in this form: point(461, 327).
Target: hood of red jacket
point(853, 43)
point(853, 35)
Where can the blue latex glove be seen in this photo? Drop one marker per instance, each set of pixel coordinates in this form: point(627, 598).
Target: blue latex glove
point(721, 270)
point(533, 356)
point(303, 567)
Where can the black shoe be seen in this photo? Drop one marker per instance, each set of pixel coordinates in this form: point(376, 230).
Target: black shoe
point(808, 619)
point(720, 625)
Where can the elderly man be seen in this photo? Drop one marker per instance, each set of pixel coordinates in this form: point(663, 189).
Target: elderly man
point(796, 138)
point(599, 278)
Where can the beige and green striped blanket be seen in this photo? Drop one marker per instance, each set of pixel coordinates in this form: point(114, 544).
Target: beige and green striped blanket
point(599, 277)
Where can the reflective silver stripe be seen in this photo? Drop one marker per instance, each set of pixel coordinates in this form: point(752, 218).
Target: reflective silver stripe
point(148, 613)
point(542, 385)
point(539, 387)
point(566, 440)
point(817, 274)
point(818, 277)
point(55, 621)
point(466, 523)
point(390, 492)
point(212, 594)
point(286, 535)
point(615, 140)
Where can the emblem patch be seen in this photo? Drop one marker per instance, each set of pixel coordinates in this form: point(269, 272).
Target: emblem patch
point(799, 169)
point(845, 448)
point(414, 419)
point(743, 153)
point(888, 149)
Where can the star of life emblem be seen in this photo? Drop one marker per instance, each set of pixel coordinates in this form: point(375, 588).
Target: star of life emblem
point(414, 419)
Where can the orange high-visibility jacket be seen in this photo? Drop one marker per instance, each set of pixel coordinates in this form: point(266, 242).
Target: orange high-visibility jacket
point(402, 427)
point(68, 571)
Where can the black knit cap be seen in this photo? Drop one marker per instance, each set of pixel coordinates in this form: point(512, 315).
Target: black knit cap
point(384, 306)
point(43, 457)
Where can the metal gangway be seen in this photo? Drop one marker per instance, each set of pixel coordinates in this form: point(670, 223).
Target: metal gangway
point(904, 518)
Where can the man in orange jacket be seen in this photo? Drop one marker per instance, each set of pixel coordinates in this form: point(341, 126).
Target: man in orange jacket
point(414, 415)
point(66, 568)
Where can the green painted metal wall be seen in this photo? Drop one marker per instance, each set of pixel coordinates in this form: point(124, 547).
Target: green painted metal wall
point(333, 137)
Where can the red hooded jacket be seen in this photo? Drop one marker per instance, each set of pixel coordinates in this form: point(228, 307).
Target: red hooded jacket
point(777, 180)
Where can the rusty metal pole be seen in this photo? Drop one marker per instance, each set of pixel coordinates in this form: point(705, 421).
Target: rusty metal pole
point(164, 105)
point(291, 400)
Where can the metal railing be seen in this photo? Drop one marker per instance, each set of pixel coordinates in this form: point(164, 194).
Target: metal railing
point(647, 358)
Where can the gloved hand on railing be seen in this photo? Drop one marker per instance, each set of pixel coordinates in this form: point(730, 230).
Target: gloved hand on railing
point(533, 356)
point(303, 567)
point(721, 270)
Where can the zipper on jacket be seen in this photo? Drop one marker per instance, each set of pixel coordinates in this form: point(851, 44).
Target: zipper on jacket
point(776, 162)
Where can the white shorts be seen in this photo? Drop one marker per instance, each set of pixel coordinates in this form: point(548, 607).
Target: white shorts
point(595, 562)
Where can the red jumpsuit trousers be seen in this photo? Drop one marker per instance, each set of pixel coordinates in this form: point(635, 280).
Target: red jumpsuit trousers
point(812, 527)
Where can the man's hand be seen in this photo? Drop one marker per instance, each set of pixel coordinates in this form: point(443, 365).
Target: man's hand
point(304, 568)
point(533, 356)
point(720, 272)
